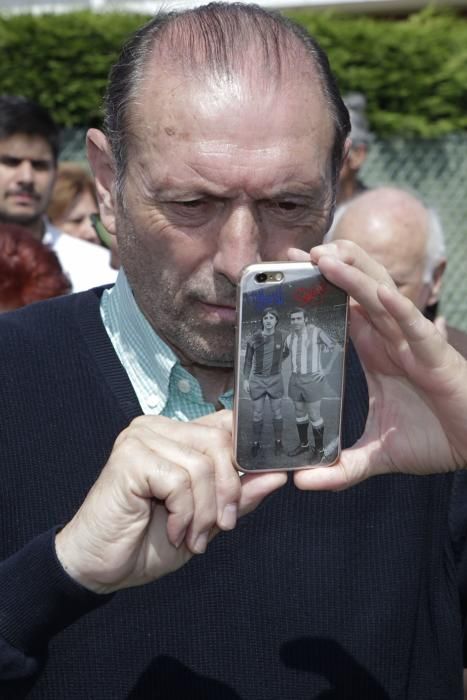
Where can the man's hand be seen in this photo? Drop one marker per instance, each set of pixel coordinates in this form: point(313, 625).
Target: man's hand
point(417, 382)
point(246, 386)
point(166, 490)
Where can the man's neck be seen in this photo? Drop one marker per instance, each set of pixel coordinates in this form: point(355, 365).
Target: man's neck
point(35, 228)
point(214, 381)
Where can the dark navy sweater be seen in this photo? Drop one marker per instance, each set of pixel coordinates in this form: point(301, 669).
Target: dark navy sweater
point(312, 596)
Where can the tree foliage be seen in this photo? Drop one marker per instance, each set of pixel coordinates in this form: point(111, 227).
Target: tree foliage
point(413, 71)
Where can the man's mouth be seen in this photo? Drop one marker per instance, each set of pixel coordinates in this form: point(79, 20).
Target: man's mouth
point(23, 197)
point(224, 311)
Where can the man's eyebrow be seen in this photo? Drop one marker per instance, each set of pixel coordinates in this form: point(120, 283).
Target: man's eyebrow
point(5, 158)
point(308, 193)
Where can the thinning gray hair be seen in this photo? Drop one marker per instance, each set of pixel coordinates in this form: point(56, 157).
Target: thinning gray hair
point(215, 38)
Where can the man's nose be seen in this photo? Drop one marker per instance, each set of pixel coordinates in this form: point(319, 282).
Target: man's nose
point(239, 243)
point(25, 171)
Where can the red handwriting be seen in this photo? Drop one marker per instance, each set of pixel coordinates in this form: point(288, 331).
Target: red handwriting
point(304, 295)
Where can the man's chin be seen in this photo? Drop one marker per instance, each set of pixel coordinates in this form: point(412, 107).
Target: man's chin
point(209, 351)
point(20, 217)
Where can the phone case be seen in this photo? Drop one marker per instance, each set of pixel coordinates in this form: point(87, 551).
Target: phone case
point(289, 369)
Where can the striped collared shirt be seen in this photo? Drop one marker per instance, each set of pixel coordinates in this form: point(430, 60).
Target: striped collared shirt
point(162, 385)
point(306, 349)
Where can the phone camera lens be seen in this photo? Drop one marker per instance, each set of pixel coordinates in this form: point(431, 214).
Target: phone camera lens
point(261, 277)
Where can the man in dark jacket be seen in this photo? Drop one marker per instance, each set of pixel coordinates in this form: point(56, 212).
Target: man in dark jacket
point(224, 138)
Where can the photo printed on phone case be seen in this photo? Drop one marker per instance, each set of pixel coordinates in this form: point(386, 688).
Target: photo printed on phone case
point(290, 370)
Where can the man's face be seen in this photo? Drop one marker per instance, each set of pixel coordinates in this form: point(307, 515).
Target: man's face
point(220, 177)
point(269, 322)
point(297, 321)
point(27, 174)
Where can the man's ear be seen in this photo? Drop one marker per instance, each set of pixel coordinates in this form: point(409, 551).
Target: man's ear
point(346, 150)
point(435, 289)
point(102, 165)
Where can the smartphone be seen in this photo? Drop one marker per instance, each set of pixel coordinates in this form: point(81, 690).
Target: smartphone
point(289, 368)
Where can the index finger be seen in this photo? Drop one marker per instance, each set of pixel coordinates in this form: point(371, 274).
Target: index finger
point(219, 419)
point(351, 254)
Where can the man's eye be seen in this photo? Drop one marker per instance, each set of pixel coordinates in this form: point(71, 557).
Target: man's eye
point(9, 162)
point(41, 165)
point(287, 206)
point(283, 206)
point(191, 203)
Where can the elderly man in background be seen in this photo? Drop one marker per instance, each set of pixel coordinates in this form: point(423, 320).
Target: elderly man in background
point(396, 228)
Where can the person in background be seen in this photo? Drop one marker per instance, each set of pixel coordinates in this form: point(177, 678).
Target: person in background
point(29, 270)
point(29, 148)
point(361, 137)
point(73, 202)
point(396, 228)
point(73, 208)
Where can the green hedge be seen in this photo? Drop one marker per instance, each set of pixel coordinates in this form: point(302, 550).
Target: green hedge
point(413, 71)
point(63, 60)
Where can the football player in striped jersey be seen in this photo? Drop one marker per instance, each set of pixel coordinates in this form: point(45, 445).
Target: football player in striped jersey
point(312, 353)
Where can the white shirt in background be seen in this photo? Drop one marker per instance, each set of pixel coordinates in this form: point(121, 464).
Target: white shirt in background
point(86, 264)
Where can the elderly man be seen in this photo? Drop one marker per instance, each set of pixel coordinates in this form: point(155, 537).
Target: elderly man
point(224, 138)
point(399, 231)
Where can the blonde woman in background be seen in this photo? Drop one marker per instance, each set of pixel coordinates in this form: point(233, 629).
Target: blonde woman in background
point(73, 207)
point(73, 201)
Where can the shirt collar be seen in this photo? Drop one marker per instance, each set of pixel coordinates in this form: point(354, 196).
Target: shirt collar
point(153, 368)
point(51, 233)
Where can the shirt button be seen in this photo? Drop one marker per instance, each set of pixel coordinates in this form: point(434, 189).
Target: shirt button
point(152, 400)
point(184, 386)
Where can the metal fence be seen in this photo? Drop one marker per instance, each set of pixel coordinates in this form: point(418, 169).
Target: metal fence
point(435, 169)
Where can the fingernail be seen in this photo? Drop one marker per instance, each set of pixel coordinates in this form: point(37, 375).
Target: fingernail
point(229, 517)
point(201, 543)
point(178, 542)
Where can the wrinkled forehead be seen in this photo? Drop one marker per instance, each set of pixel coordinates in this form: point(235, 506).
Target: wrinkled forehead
point(249, 79)
point(220, 108)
